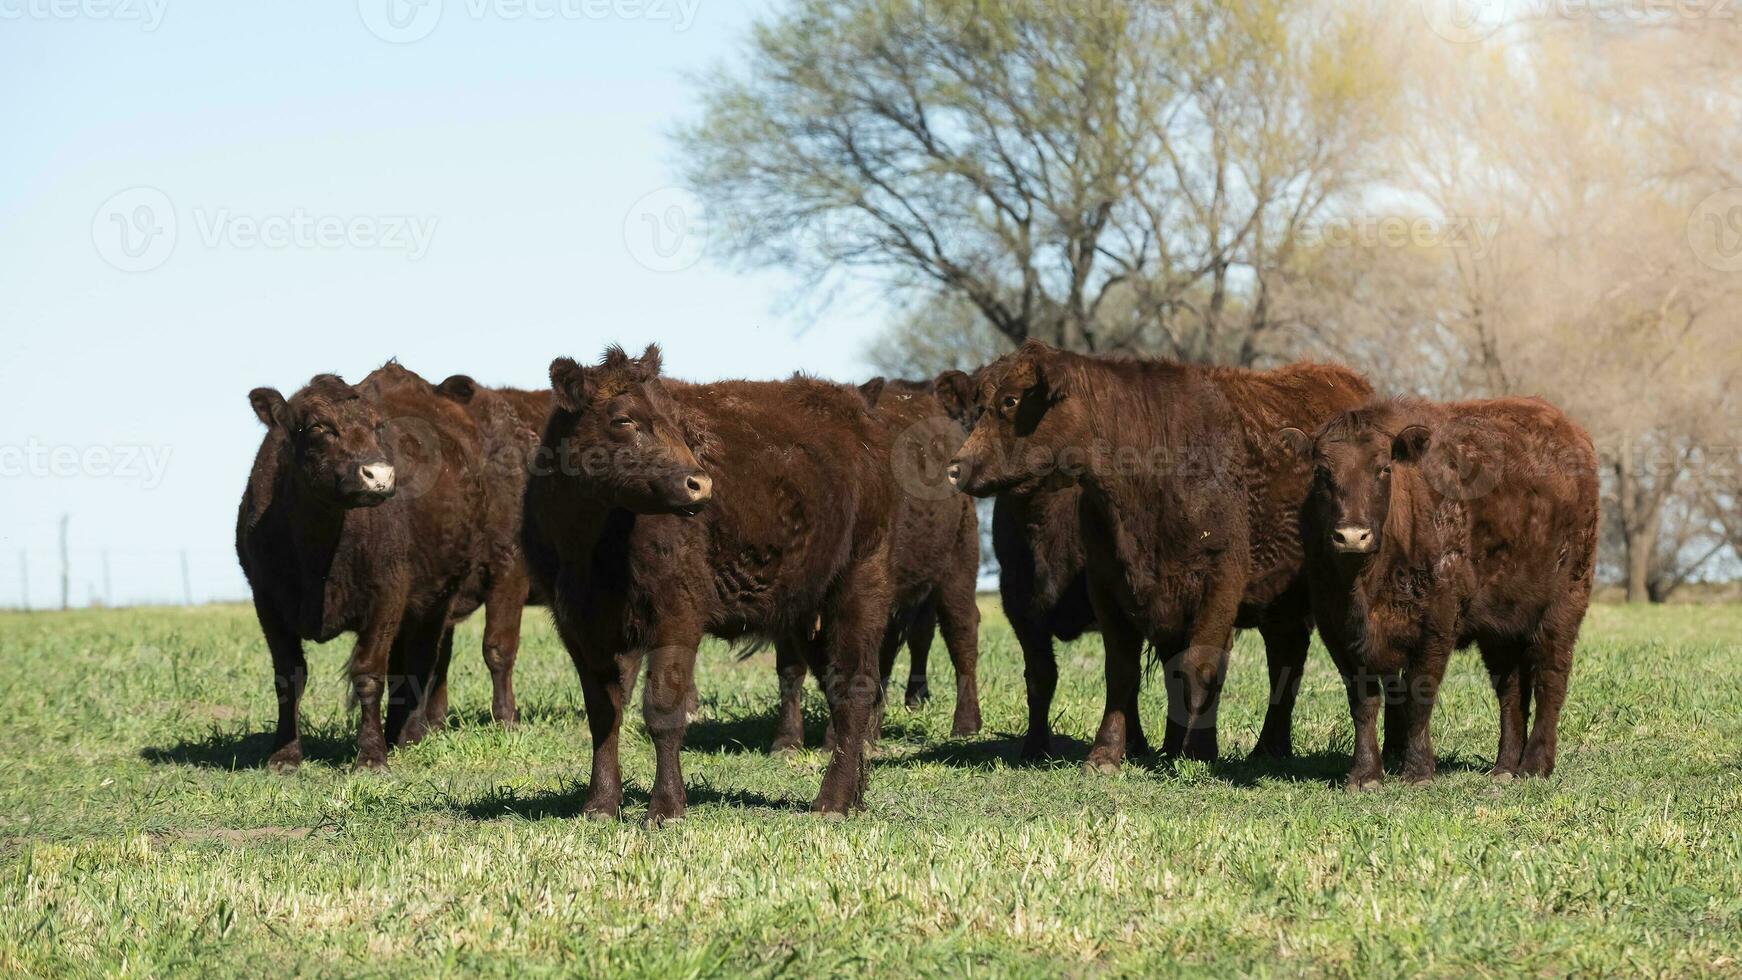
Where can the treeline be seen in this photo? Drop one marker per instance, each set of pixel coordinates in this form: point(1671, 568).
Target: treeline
point(1459, 209)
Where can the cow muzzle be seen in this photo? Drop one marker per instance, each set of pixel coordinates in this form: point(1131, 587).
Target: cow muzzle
point(1351, 539)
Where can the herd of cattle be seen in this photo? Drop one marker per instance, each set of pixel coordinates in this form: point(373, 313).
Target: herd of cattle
point(1165, 505)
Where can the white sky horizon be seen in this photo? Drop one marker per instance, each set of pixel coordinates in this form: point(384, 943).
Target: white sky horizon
point(200, 198)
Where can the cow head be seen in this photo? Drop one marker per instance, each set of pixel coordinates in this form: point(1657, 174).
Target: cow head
point(621, 434)
point(1351, 496)
point(1019, 434)
point(336, 440)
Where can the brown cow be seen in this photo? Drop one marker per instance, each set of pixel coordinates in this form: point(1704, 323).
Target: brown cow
point(936, 562)
point(1188, 516)
point(1434, 526)
point(509, 421)
point(359, 517)
point(620, 529)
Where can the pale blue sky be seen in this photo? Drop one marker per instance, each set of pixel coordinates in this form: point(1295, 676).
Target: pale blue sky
point(466, 200)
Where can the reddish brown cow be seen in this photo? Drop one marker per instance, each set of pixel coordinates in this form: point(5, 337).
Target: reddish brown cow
point(359, 517)
point(935, 556)
point(509, 421)
point(620, 529)
point(1188, 517)
point(1434, 526)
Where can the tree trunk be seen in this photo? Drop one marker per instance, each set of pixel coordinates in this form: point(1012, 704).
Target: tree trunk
point(1638, 542)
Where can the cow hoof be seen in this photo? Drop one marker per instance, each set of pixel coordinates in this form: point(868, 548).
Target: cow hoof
point(654, 822)
point(1501, 776)
point(965, 727)
point(785, 749)
point(831, 815)
point(599, 816)
point(286, 760)
point(1100, 767)
point(1364, 785)
point(1418, 778)
point(368, 764)
point(1266, 751)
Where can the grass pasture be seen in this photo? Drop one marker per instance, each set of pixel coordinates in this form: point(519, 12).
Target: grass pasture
point(139, 833)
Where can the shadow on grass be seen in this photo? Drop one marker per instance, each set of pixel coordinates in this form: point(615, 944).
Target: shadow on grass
point(1328, 768)
point(248, 750)
point(567, 802)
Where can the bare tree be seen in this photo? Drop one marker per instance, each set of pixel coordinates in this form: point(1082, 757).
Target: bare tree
point(1101, 175)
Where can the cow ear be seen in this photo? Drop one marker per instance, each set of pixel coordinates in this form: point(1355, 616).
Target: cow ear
point(1295, 441)
point(650, 362)
point(269, 407)
point(571, 383)
point(1409, 445)
point(871, 391)
point(955, 392)
point(459, 387)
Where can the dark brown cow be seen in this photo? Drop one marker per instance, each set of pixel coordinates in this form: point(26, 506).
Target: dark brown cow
point(509, 421)
point(1431, 527)
point(936, 562)
point(620, 529)
point(359, 517)
point(1188, 517)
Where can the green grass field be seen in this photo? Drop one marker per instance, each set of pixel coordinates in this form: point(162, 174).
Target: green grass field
point(140, 835)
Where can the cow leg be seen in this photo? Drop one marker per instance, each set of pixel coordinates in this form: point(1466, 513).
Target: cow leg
point(368, 669)
point(1421, 688)
point(1509, 670)
point(671, 669)
point(1550, 660)
point(289, 677)
point(416, 656)
point(1124, 669)
point(606, 683)
point(1040, 675)
point(920, 631)
point(503, 609)
point(1366, 699)
point(857, 615)
point(887, 649)
point(959, 617)
point(1287, 635)
point(1136, 741)
point(1396, 719)
point(433, 712)
point(789, 666)
point(1201, 668)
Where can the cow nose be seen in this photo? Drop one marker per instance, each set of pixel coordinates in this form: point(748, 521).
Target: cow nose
point(700, 487)
point(376, 477)
point(954, 473)
point(1353, 539)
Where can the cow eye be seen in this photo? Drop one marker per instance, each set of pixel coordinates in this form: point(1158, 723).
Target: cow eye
point(1385, 470)
point(1009, 402)
point(623, 422)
